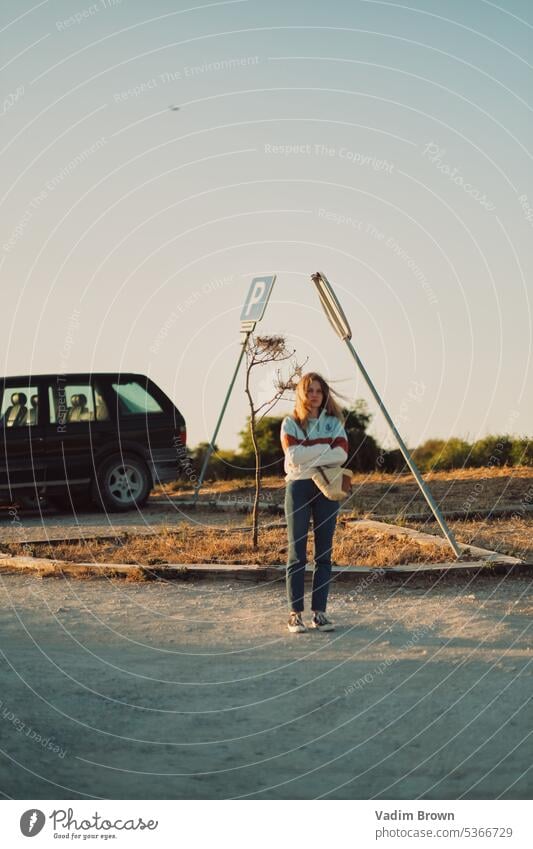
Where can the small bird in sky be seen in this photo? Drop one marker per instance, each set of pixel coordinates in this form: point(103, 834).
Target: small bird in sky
point(174, 108)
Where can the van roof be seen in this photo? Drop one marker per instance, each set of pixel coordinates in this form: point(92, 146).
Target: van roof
point(74, 374)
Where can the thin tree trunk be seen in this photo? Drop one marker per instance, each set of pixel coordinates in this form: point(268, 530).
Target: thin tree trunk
point(260, 352)
point(255, 511)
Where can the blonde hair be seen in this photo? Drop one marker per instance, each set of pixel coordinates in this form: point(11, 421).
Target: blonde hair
point(331, 405)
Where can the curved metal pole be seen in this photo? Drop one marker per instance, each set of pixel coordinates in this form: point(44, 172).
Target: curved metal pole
point(341, 326)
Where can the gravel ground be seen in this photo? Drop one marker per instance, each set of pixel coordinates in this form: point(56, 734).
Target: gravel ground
point(28, 525)
point(196, 690)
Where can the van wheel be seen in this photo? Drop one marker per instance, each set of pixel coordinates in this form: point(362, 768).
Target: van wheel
point(122, 483)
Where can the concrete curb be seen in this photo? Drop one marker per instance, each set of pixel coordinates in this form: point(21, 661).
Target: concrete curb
point(43, 568)
point(484, 554)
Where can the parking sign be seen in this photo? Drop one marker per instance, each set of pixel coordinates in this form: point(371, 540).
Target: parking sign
point(257, 298)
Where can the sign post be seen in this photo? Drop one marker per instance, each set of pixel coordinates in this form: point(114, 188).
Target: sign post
point(340, 324)
point(252, 312)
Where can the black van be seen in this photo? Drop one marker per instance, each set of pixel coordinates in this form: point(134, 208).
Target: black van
point(108, 438)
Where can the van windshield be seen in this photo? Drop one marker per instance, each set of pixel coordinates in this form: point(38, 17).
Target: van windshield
point(134, 398)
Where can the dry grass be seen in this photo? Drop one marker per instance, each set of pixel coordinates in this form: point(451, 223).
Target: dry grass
point(378, 494)
point(508, 536)
point(465, 490)
point(353, 546)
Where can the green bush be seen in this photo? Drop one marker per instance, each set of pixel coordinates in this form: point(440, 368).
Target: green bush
point(522, 452)
point(269, 442)
point(391, 462)
point(427, 454)
point(223, 465)
point(228, 465)
point(454, 454)
point(492, 451)
point(364, 452)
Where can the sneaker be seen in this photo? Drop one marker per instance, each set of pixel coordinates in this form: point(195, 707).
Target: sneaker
point(295, 623)
point(321, 622)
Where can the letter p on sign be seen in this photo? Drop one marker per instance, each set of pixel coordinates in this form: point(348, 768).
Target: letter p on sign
point(257, 298)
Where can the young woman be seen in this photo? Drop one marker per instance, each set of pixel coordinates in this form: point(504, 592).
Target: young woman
point(313, 436)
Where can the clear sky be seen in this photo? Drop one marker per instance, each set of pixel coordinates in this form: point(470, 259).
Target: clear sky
point(386, 143)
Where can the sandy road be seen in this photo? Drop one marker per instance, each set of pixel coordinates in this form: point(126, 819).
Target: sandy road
point(196, 690)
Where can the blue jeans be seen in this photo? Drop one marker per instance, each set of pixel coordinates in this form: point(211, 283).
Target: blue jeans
point(303, 499)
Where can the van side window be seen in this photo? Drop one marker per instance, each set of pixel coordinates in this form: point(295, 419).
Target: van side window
point(133, 398)
point(102, 413)
point(70, 403)
point(19, 406)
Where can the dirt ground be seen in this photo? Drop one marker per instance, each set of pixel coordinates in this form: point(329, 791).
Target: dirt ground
point(51, 523)
point(196, 690)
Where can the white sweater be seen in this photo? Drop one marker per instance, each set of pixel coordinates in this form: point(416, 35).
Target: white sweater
point(326, 444)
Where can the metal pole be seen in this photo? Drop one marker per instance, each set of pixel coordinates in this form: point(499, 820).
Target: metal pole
point(407, 456)
point(211, 447)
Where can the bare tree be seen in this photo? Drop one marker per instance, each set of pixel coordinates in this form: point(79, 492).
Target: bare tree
point(262, 351)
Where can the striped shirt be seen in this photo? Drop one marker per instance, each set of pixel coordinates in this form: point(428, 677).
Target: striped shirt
point(325, 444)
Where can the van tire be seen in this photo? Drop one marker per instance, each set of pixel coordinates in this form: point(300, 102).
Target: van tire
point(122, 483)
